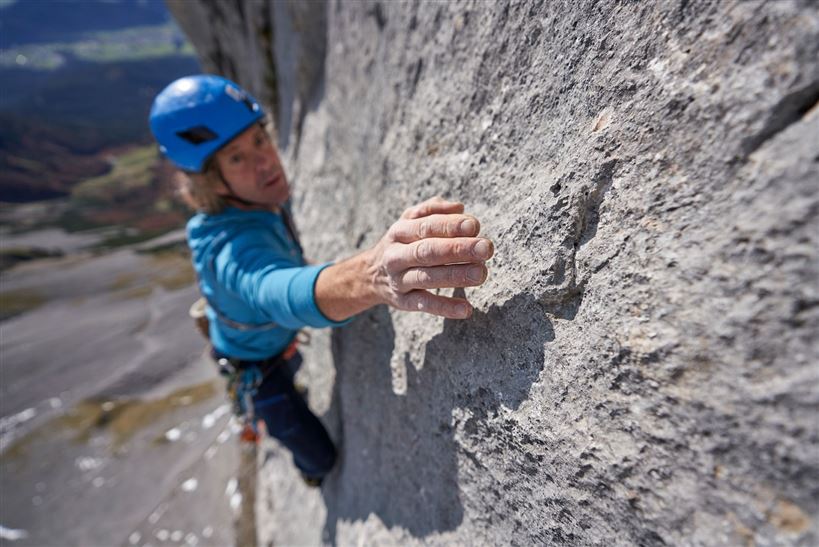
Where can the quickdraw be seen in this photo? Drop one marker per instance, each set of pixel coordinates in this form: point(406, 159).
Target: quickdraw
point(243, 384)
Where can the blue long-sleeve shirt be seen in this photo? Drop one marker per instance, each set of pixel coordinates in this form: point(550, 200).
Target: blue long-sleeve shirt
point(254, 277)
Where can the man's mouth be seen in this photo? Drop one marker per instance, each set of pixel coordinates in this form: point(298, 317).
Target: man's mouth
point(272, 181)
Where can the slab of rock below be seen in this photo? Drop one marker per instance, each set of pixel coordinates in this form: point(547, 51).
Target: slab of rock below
point(643, 364)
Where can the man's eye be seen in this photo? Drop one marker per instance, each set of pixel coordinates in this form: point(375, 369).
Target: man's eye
point(236, 158)
point(260, 140)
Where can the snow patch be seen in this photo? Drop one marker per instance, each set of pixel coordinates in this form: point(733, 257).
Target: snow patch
point(190, 485)
point(12, 534)
point(236, 501)
point(231, 487)
point(173, 434)
point(223, 436)
point(88, 463)
point(157, 514)
point(210, 419)
point(9, 423)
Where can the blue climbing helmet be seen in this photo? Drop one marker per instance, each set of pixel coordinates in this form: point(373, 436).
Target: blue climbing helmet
point(195, 116)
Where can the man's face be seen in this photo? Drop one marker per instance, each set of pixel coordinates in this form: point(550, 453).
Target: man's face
point(251, 166)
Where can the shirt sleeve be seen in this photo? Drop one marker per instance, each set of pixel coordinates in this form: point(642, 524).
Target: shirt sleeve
point(269, 283)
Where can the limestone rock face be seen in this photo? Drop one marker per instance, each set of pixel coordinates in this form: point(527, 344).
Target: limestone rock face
point(643, 364)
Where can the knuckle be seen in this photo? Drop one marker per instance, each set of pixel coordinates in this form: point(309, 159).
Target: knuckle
point(401, 229)
point(442, 227)
point(396, 285)
point(425, 228)
point(391, 260)
point(422, 252)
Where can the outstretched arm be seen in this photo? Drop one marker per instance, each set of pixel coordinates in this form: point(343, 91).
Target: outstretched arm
point(434, 245)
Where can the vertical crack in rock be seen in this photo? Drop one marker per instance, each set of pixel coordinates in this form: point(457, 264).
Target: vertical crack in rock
point(377, 13)
point(270, 77)
point(312, 58)
point(589, 217)
point(564, 298)
point(415, 71)
point(214, 10)
point(786, 112)
point(219, 57)
point(240, 9)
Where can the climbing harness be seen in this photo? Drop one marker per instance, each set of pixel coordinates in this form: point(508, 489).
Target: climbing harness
point(244, 379)
point(243, 384)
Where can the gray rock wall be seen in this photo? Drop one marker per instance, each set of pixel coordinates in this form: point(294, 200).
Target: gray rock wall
point(643, 364)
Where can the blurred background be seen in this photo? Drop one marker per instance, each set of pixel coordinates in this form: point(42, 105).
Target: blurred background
point(113, 427)
point(78, 78)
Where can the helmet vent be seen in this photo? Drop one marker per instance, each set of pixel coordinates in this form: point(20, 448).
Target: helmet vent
point(197, 135)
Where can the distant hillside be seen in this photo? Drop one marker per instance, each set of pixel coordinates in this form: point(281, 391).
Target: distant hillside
point(77, 79)
point(33, 21)
point(52, 136)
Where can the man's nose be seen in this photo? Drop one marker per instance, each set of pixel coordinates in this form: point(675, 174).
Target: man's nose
point(263, 161)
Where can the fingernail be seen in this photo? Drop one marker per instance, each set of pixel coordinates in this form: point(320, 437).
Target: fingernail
point(475, 273)
point(483, 249)
point(469, 226)
point(462, 310)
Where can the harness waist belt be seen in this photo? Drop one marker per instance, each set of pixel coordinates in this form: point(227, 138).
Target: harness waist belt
point(263, 364)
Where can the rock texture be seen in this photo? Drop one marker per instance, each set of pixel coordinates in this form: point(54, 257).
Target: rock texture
point(643, 364)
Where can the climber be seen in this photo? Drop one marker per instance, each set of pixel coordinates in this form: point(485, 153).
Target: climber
point(250, 266)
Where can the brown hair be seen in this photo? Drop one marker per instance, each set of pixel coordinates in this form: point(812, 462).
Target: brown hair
point(198, 190)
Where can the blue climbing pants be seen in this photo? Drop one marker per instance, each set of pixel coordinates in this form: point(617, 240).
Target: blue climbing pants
point(289, 420)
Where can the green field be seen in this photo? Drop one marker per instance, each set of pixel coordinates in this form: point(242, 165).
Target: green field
point(131, 172)
point(103, 46)
point(76, 90)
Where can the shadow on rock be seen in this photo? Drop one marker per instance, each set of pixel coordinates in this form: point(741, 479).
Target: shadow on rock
point(399, 458)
